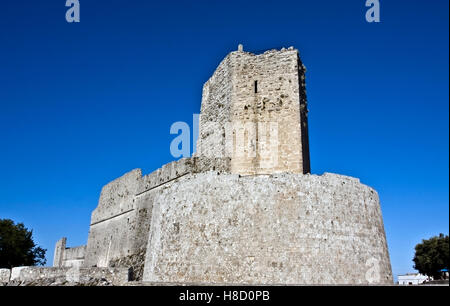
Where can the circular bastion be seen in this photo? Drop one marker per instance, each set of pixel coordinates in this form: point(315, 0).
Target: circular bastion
point(267, 229)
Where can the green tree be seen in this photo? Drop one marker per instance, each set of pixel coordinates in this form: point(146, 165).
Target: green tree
point(17, 247)
point(432, 255)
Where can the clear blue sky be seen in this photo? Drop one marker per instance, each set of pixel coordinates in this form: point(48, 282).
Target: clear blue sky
point(81, 104)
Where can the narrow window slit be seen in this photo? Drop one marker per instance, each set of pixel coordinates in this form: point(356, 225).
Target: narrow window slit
point(256, 86)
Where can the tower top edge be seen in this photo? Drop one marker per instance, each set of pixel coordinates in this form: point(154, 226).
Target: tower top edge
point(263, 52)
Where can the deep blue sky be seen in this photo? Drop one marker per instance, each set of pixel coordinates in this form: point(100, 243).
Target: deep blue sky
point(81, 104)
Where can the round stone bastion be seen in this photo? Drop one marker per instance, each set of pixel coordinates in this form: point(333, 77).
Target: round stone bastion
point(267, 229)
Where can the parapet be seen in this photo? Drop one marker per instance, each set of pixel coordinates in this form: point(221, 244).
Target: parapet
point(120, 224)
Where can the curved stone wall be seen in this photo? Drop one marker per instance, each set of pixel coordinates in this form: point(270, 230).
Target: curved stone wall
point(271, 229)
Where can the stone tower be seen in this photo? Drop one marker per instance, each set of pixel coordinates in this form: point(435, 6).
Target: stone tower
point(254, 112)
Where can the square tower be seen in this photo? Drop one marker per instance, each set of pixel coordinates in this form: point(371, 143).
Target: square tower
point(254, 112)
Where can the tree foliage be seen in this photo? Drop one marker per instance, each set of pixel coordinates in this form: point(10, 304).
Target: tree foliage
point(17, 247)
point(432, 255)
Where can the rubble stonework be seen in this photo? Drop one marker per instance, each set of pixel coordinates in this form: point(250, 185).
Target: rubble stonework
point(73, 276)
point(5, 275)
point(244, 209)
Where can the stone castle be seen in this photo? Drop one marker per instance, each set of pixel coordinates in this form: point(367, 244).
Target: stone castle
point(245, 208)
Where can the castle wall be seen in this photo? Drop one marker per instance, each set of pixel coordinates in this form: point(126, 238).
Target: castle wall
point(286, 228)
point(74, 257)
point(68, 257)
point(113, 222)
point(120, 224)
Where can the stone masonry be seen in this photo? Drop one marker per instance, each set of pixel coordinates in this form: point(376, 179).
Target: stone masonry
point(245, 208)
point(254, 111)
point(68, 257)
point(275, 229)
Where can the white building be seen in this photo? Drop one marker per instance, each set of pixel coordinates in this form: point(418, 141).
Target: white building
point(412, 279)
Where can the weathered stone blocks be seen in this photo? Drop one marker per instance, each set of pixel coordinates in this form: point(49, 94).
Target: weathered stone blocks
point(254, 111)
point(279, 229)
point(68, 276)
point(5, 275)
